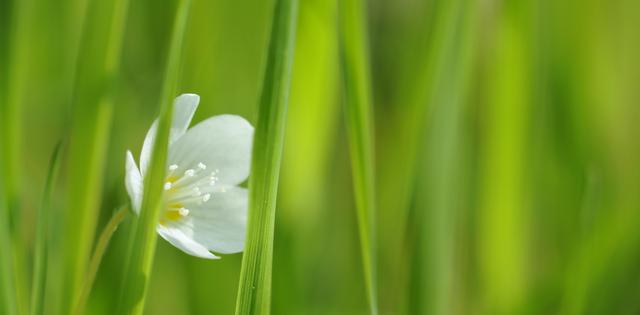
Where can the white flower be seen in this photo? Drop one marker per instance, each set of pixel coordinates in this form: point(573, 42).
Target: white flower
point(203, 208)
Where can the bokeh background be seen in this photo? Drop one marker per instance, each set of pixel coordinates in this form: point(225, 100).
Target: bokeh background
point(507, 155)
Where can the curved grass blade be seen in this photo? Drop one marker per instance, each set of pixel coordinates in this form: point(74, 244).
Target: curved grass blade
point(254, 294)
point(42, 236)
point(92, 112)
point(357, 87)
point(143, 243)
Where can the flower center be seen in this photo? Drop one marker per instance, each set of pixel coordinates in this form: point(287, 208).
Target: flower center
point(193, 186)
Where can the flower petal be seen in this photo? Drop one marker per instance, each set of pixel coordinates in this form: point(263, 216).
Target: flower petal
point(178, 239)
point(184, 107)
point(222, 143)
point(220, 223)
point(133, 182)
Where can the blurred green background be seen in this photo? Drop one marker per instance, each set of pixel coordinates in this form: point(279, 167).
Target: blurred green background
point(507, 155)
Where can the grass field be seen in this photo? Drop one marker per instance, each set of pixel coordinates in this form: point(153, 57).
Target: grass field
point(409, 156)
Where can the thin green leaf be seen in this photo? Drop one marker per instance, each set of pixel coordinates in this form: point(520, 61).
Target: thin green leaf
point(310, 133)
point(8, 304)
point(357, 86)
point(143, 245)
point(442, 161)
point(7, 299)
point(42, 236)
point(19, 38)
point(503, 206)
point(254, 294)
point(92, 115)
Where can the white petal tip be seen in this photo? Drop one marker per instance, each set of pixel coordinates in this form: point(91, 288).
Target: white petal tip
point(188, 98)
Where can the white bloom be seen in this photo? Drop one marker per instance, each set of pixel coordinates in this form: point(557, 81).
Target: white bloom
point(203, 208)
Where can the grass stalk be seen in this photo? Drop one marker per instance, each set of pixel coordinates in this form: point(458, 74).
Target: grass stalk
point(96, 73)
point(143, 244)
point(19, 39)
point(8, 305)
point(254, 293)
point(354, 55)
point(7, 291)
point(43, 236)
point(503, 205)
point(96, 259)
point(441, 162)
point(310, 133)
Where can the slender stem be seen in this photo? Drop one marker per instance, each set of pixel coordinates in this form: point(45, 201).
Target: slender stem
point(19, 41)
point(442, 164)
point(96, 259)
point(8, 305)
point(42, 231)
point(357, 87)
point(504, 202)
point(7, 291)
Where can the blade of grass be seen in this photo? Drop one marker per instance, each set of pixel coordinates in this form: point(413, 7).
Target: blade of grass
point(143, 243)
point(42, 237)
point(503, 228)
point(92, 114)
point(19, 40)
point(310, 132)
point(254, 293)
point(442, 160)
point(614, 241)
point(609, 235)
point(357, 87)
point(7, 299)
point(419, 98)
point(8, 305)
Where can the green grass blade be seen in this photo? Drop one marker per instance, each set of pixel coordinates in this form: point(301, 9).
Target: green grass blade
point(313, 113)
point(7, 291)
point(19, 41)
point(357, 85)
point(503, 228)
point(92, 114)
point(42, 237)
point(440, 189)
point(8, 299)
point(143, 244)
point(254, 294)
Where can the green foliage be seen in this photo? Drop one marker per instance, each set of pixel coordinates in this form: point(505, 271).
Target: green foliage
point(92, 114)
point(254, 293)
point(354, 55)
point(43, 235)
point(490, 145)
point(144, 237)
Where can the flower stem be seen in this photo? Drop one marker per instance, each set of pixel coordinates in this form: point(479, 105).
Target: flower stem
point(96, 259)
